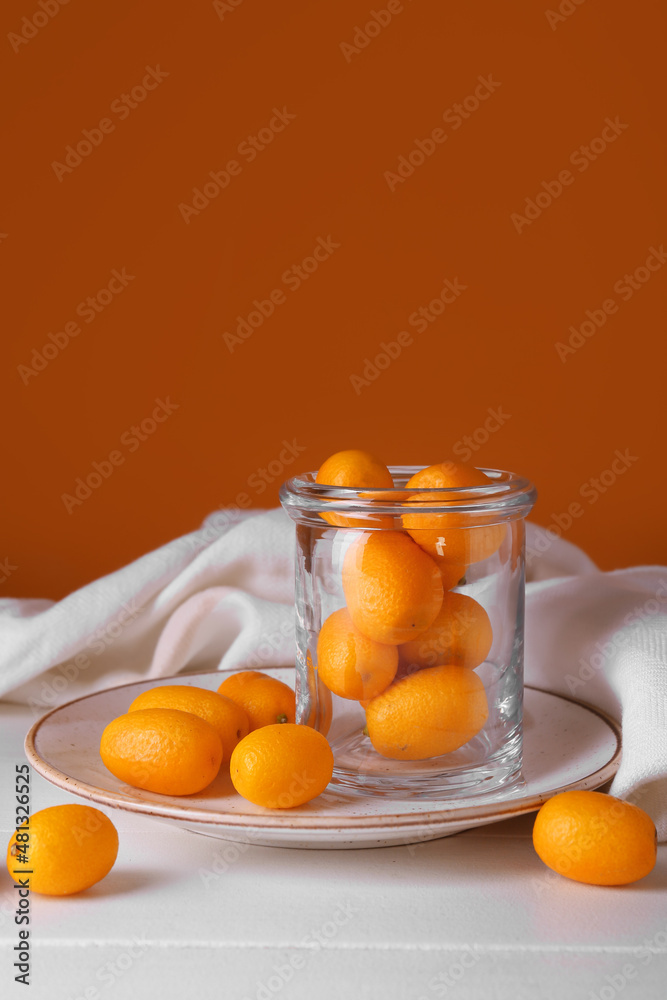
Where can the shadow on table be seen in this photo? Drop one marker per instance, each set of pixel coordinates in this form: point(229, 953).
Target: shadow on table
point(124, 881)
point(494, 857)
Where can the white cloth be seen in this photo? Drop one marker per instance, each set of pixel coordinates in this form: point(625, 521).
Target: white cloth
point(222, 598)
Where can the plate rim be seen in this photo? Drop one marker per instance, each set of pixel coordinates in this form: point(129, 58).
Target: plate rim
point(280, 819)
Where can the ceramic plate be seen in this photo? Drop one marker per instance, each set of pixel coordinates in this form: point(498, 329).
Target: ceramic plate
point(566, 745)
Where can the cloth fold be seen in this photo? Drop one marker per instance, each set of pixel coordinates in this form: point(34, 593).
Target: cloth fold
point(222, 598)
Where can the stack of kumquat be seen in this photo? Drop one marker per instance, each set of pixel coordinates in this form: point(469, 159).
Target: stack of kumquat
point(406, 645)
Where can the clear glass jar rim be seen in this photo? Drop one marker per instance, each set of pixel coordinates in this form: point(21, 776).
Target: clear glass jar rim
point(506, 493)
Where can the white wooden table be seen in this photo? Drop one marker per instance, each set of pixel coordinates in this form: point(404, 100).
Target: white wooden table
point(476, 915)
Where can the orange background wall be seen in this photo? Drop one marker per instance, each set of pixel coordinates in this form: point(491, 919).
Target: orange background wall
point(554, 81)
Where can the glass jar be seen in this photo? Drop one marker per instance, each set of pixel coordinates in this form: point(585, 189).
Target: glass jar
point(409, 631)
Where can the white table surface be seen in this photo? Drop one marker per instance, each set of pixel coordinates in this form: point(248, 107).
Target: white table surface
point(476, 915)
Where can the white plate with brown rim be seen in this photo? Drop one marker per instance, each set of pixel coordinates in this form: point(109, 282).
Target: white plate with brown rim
point(567, 744)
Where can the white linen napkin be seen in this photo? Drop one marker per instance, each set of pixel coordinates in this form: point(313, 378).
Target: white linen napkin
point(222, 598)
